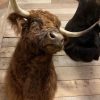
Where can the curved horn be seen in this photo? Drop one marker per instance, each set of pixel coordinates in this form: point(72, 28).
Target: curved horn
point(17, 9)
point(77, 34)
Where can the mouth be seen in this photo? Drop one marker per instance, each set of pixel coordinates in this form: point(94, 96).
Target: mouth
point(53, 48)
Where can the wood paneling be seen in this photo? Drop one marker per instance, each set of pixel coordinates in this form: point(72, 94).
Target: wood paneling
point(94, 97)
point(64, 1)
point(59, 61)
point(9, 42)
point(48, 6)
point(75, 79)
point(8, 51)
point(73, 88)
point(69, 73)
point(35, 1)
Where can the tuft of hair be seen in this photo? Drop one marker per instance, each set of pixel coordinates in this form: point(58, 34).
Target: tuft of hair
point(16, 22)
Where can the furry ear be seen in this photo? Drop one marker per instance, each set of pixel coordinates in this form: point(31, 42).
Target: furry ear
point(17, 22)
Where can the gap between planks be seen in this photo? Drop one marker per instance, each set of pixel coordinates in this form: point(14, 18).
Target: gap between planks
point(60, 59)
point(97, 97)
point(63, 1)
point(93, 97)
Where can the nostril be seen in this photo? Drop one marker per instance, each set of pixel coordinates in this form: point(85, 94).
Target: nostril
point(62, 41)
point(52, 35)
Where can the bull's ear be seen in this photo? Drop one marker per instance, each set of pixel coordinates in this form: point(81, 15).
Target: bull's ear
point(16, 21)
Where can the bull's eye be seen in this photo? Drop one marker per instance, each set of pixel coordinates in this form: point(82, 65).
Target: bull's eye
point(34, 24)
point(36, 21)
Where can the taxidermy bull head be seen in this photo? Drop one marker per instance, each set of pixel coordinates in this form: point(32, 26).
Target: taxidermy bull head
point(87, 47)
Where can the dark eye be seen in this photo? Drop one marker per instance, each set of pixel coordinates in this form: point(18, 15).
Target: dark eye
point(37, 20)
point(37, 24)
point(34, 24)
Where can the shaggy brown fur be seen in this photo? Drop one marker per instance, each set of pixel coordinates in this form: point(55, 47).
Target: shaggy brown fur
point(31, 74)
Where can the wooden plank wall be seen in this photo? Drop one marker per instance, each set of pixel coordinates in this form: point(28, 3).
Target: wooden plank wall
point(76, 80)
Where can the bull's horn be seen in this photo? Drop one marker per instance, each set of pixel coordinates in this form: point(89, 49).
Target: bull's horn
point(77, 34)
point(18, 10)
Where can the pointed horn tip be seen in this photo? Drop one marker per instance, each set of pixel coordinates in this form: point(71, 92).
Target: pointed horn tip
point(17, 9)
point(23, 12)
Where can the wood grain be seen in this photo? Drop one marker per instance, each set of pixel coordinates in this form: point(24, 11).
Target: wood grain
point(35, 1)
point(94, 97)
point(78, 88)
point(69, 73)
point(75, 79)
point(60, 58)
point(72, 88)
point(64, 1)
point(9, 42)
point(48, 6)
point(59, 61)
point(1, 30)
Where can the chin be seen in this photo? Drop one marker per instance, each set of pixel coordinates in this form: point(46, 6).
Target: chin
point(52, 49)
